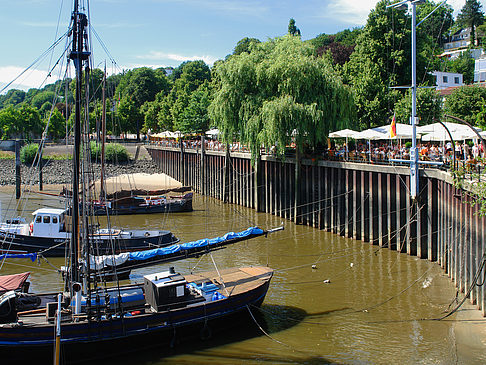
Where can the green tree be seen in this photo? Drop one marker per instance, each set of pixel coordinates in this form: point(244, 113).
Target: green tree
point(9, 126)
point(12, 97)
point(464, 64)
point(382, 59)
point(137, 87)
point(429, 107)
point(293, 30)
point(278, 88)
point(164, 115)
point(437, 24)
point(466, 103)
point(30, 119)
point(195, 118)
point(129, 116)
point(43, 97)
point(57, 124)
point(471, 16)
point(244, 45)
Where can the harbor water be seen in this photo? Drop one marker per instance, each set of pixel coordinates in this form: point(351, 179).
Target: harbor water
point(331, 300)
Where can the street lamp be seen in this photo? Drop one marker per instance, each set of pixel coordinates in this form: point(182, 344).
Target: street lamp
point(414, 162)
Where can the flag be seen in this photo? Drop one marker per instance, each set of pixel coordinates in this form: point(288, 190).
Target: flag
point(393, 128)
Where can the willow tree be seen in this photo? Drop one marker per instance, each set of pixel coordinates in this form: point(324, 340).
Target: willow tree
point(278, 92)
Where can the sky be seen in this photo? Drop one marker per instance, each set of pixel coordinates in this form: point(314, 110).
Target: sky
point(159, 33)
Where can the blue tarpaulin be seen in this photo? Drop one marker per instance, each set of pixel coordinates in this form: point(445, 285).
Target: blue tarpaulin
point(32, 256)
point(205, 242)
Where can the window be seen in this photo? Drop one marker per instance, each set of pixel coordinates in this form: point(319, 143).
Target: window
point(38, 219)
point(47, 219)
point(456, 80)
point(445, 79)
point(54, 219)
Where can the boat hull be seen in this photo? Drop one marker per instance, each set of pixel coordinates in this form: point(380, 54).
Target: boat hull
point(83, 341)
point(178, 206)
point(56, 247)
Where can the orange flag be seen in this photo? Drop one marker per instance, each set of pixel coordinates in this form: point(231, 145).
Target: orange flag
point(393, 128)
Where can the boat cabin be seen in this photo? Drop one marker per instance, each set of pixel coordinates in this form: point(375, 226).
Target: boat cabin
point(165, 290)
point(49, 222)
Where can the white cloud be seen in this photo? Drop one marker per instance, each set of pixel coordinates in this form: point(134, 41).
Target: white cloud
point(154, 55)
point(31, 79)
point(356, 11)
point(347, 11)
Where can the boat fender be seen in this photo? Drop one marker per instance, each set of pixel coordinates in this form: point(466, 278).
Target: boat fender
point(135, 313)
point(205, 333)
point(31, 227)
point(147, 234)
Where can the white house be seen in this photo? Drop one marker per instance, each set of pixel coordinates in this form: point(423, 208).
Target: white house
point(460, 39)
point(444, 80)
point(480, 70)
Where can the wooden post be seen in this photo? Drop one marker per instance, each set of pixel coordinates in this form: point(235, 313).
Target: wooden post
point(40, 165)
point(297, 186)
point(18, 179)
point(226, 174)
point(182, 175)
point(203, 167)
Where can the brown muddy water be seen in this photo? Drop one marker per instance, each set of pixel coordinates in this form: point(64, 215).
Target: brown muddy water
point(377, 307)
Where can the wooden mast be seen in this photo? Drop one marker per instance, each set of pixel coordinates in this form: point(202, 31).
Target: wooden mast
point(103, 140)
point(78, 55)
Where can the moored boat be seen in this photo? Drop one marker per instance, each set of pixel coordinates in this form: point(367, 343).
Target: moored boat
point(49, 233)
point(165, 308)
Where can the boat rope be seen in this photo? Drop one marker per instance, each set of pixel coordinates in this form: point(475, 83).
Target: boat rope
point(47, 262)
point(219, 275)
point(268, 335)
point(30, 266)
point(467, 294)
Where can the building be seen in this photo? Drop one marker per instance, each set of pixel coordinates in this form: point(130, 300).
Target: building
point(460, 39)
point(480, 70)
point(443, 80)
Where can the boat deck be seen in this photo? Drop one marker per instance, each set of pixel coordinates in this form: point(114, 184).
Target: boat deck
point(234, 280)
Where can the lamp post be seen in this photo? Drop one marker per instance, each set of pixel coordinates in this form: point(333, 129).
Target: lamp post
point(414, 162)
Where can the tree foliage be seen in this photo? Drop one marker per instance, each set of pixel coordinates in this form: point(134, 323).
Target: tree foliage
point(278, 88)
point(438, 24)
point(429, 107)
point(382, 59)
point(178, 108)
point(467, 103)
point(464, 64)
point(292, 29)
point(244, 45)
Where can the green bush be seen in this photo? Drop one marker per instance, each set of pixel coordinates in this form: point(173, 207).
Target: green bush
point(28, 153)
point(408, 144)
point(95, 150)
point(115, 152)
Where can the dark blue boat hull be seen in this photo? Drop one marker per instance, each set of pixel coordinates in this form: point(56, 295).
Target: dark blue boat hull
point(56, 247)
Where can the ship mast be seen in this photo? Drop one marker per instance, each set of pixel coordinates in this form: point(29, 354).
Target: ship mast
point(79, 56)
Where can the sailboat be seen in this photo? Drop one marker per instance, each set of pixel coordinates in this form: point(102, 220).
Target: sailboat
point(88, 320)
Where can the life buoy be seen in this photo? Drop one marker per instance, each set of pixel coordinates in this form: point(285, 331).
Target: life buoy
point(31, 227)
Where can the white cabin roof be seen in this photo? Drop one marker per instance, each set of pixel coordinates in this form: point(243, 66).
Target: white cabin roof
point(49, 211)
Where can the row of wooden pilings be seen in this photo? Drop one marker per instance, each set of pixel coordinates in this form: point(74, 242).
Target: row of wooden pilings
point(365, 202)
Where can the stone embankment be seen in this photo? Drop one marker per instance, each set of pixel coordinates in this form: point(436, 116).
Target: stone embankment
point(60, 171)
